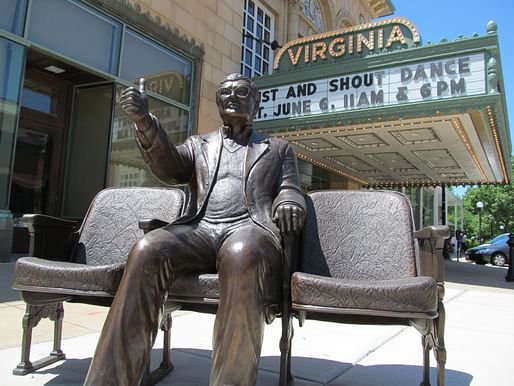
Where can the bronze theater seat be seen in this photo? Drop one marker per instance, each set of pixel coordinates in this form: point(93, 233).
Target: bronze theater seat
point(360, 261)
point(91, 271)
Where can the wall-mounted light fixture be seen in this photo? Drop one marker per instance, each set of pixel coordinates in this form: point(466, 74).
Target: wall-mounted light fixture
point(274, 44)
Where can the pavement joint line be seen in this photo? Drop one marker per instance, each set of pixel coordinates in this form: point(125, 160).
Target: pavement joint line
point(369, 352)
point(448, 299)
point(303, 378)
point(384, 342)
point(76, 325)
point(186, 351)
point(336, 373)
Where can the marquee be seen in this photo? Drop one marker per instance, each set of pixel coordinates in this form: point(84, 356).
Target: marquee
point(441, 78)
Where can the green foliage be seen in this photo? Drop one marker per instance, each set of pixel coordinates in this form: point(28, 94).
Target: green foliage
point(498, 209)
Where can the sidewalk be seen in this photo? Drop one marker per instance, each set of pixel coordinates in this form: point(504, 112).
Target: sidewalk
point(479, 340)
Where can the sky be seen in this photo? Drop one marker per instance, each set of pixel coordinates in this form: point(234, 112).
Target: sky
point(438, 19)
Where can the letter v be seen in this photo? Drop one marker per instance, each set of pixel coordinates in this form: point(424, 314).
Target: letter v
point(294, 58)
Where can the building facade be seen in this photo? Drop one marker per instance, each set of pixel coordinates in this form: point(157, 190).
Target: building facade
point(63, 64)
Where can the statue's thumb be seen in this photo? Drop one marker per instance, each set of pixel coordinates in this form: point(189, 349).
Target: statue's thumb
point(142, 85)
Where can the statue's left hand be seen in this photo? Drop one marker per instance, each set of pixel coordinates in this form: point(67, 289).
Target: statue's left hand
point(290, 217)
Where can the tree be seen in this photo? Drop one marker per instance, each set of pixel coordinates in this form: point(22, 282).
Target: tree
point(498, 209)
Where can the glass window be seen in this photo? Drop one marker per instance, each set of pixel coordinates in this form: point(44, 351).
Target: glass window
point(414, 197)
point(166, 73)
point(39, 97)
point(12, 60)
point(500, 239)
point(127, 167)
point(12, 17)
point(312, 10)
point(31, 172)
point(428, 206)
point(312, 177)
point(260, 30)
point(76, 31)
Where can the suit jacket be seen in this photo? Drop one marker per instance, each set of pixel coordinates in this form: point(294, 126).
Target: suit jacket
point(270, 172)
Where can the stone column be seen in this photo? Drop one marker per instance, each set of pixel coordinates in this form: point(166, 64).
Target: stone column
point(295, 8)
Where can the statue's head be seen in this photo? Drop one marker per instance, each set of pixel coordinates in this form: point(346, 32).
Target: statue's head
point(237, 99)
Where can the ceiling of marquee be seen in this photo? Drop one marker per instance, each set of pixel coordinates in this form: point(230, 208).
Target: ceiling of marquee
point(451, 149)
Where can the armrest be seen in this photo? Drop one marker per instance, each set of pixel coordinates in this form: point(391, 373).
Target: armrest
point(44, 220)
point(148, 225)
point(430, 243)
point(433, 232)
point(50, 237)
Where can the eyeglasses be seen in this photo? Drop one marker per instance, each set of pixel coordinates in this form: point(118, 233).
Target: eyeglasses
point(240, 91)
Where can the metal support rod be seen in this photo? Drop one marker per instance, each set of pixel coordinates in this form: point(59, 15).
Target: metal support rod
point(480, 227)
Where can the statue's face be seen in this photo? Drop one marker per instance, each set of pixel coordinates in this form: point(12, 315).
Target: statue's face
point(236, 102)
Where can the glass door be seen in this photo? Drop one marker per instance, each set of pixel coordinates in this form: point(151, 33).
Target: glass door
point(33, 190)
point(88, 147)
point(38, 158)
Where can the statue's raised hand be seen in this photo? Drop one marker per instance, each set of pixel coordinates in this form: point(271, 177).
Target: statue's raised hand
point(134, 102)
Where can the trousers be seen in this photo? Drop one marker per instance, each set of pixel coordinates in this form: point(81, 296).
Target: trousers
point(248, 261)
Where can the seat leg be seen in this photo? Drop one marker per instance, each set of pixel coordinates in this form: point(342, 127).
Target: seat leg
point(152, 377)
point(439, 345)
point(33, 314)
point(425, 342)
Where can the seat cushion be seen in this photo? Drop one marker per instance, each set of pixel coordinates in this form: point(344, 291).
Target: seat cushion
point(409, 295)
point(196, 286)
point(40, 275)
point(199, 286)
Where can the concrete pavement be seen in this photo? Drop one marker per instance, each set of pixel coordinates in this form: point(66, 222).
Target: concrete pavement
point(479, 340)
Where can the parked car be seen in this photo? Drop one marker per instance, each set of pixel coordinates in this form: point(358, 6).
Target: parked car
point(495, 251)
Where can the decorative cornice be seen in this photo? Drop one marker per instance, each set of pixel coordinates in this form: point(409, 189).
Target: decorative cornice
point(133, 14)
point(457, 125)
point(493, 126)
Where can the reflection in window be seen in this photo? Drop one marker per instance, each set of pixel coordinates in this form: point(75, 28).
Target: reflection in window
point(12, 59)
point(428, 206)
point(31, 172)
point(414, 197)
point(39, 97)
point(127, 167)
point(12, 15)
point(78, 32)
point(312, 10)
point(312, 177)
point(166, 73)
point(88, 147)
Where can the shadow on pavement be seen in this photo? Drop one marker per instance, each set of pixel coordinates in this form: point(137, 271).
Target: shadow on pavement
point(69, 372)
point(193, 365)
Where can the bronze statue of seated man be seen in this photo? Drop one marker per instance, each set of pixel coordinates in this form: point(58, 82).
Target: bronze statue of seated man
point(244, 189)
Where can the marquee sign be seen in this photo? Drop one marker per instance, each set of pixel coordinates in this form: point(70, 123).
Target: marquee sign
point(358, 41)
point(437, 79)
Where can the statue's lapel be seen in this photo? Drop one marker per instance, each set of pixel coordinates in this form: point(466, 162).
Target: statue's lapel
point(211, 148)
point(257, 146)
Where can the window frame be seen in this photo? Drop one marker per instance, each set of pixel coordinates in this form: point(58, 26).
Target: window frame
point(258, 33)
